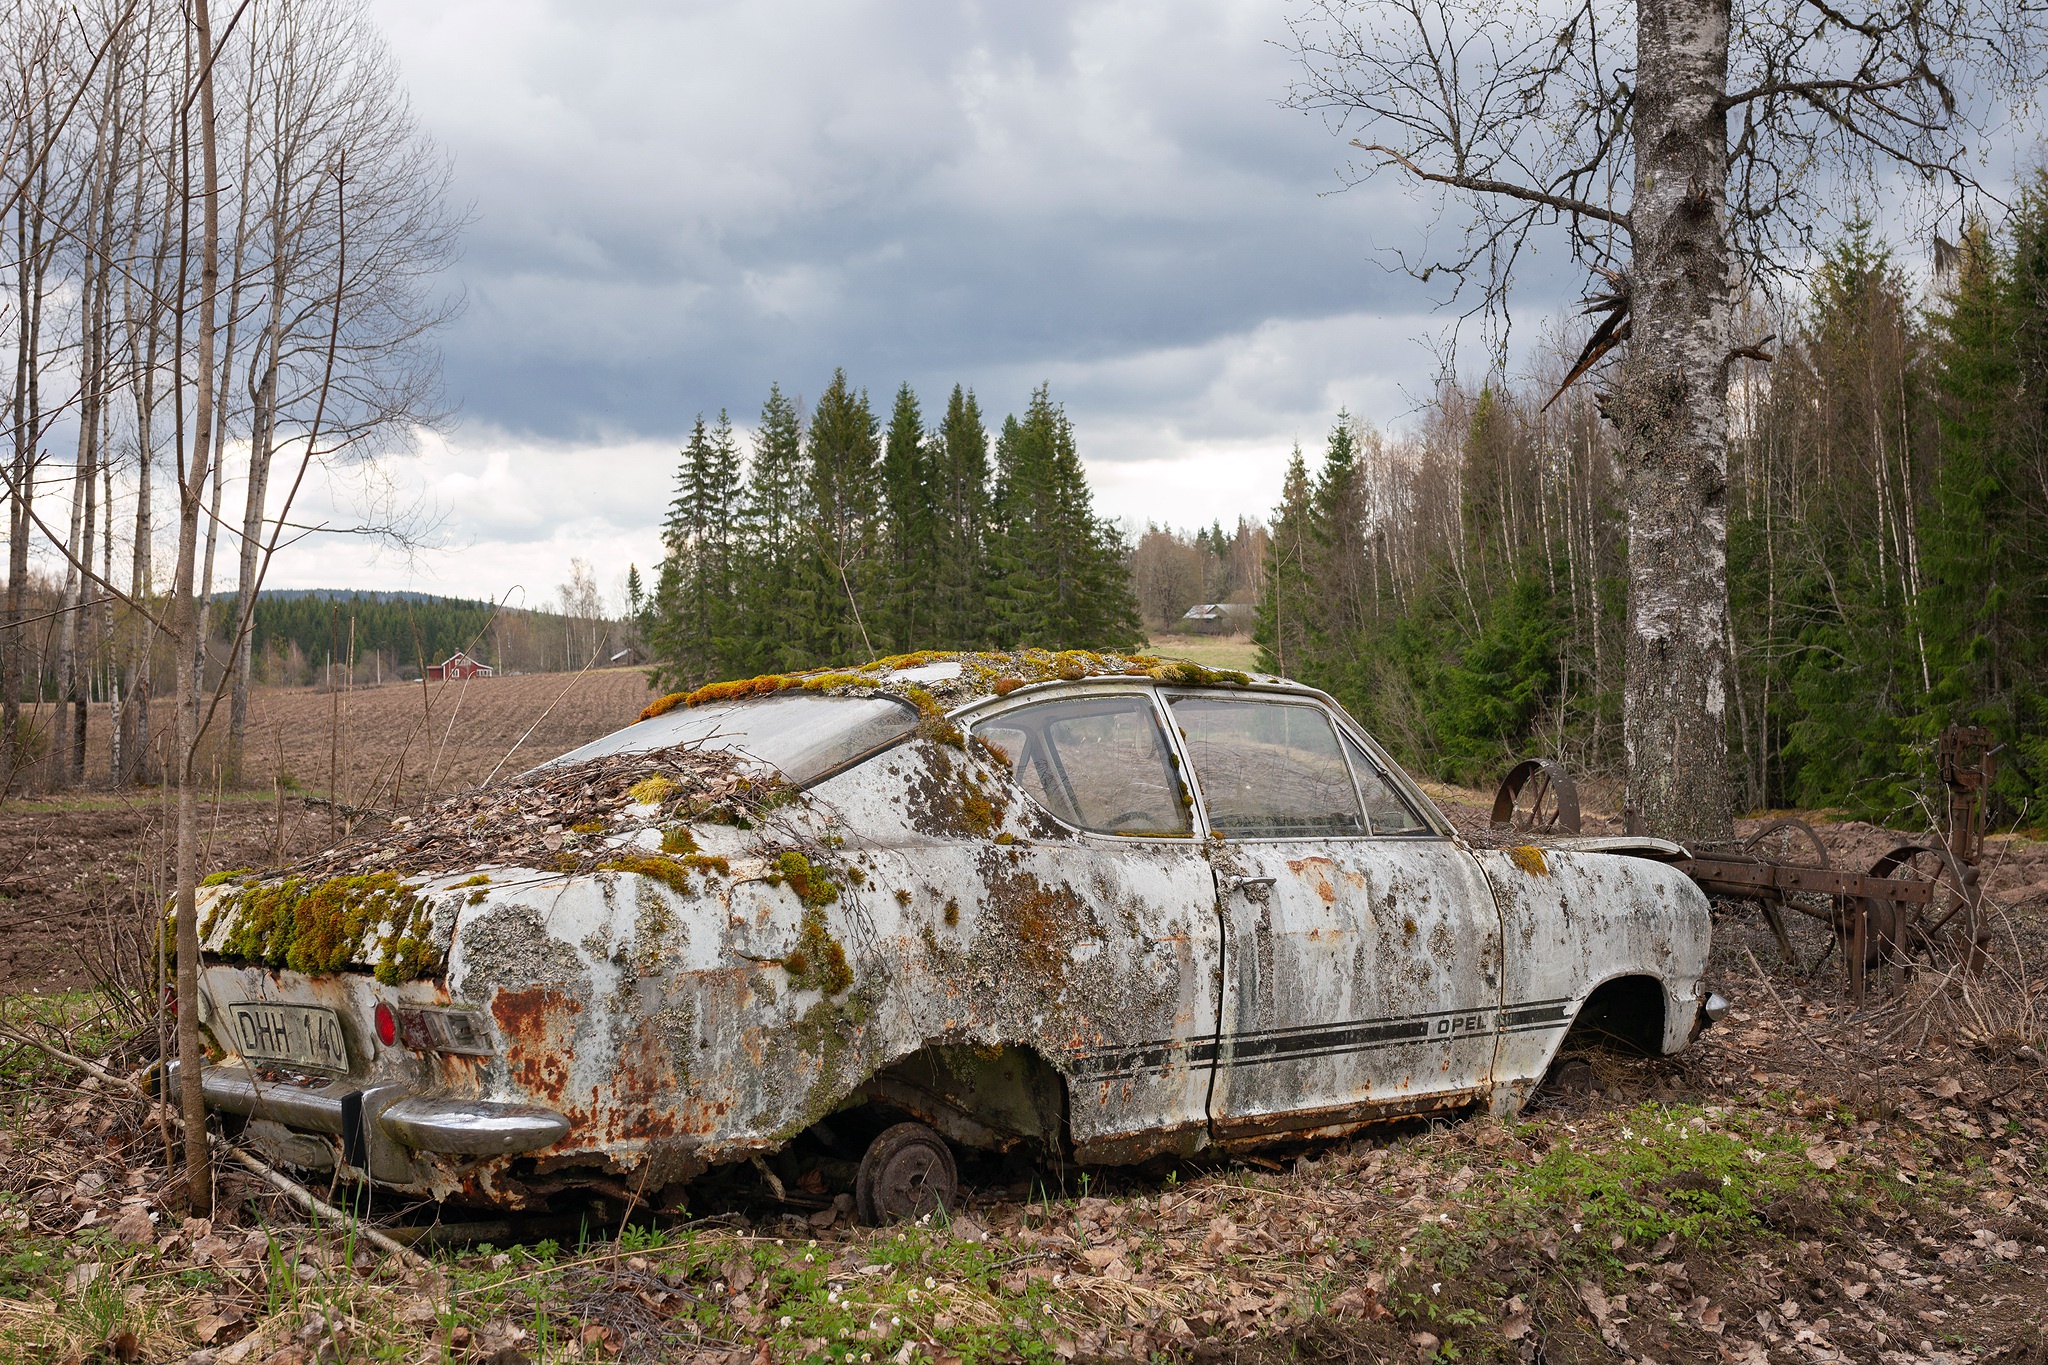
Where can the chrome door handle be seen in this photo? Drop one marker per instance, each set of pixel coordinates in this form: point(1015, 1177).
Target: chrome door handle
point(1247, 883)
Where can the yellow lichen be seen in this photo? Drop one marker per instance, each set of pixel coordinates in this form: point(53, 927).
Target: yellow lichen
point(587, 827)
point(1530, 859)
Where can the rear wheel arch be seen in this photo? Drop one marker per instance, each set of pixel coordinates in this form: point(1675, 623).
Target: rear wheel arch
point(991, 1098)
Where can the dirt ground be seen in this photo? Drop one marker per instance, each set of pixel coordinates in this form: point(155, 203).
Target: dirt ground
point(78, 871)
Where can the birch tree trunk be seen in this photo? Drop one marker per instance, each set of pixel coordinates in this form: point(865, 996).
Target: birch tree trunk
point(187, 619)
point(1672, 414)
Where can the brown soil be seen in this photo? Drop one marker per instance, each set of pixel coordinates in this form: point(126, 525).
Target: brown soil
point(80, 873)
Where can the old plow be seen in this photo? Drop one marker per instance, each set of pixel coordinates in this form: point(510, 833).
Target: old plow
point(1920, 904)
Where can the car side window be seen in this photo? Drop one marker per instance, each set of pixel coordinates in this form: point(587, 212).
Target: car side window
point(1269, 770)
point(1383, 805)
point(1098, 763)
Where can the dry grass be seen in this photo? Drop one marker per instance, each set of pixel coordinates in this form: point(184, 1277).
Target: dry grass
point(1210, 651)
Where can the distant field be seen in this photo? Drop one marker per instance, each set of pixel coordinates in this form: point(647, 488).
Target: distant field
point(1210, 651)
point(366, 741)
point(403, 740)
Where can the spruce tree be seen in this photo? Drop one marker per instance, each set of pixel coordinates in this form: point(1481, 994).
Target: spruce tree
point(907, 597)
point(771, 519)
point(837, 576)
point(1063, 580)
point(959, 571)
point(1282, 625)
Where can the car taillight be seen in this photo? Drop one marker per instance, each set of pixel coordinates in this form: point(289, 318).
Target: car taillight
point(387, 1025)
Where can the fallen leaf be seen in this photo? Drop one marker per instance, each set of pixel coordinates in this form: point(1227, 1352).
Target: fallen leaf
point(134, 1226)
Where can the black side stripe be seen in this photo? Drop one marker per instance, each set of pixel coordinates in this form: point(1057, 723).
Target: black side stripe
point(1323, 1040)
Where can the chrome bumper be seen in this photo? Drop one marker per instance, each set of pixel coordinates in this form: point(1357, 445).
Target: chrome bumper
point(372, 1120)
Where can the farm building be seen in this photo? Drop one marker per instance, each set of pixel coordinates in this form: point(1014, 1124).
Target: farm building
point(1216, 618)
point(456, 667)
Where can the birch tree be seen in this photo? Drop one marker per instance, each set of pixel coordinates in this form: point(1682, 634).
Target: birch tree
point(1682, 152)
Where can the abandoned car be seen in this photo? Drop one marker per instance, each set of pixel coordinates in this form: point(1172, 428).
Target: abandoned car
point(1087, 908)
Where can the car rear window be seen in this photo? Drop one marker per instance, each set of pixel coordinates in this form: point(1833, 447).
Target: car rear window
point(1269, 770)
point(801, 737)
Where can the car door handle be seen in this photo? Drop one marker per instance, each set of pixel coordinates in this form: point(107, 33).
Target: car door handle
point(1247, 883)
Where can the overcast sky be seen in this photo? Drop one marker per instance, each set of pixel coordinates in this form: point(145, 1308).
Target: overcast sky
point(676, 204)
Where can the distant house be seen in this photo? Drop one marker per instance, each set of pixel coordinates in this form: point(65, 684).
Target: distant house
point(1216, 618)
point(456, 667)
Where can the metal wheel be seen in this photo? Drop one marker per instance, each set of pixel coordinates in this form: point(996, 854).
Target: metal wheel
point(1948, 927)
point(1538, 795)
point(1793, 843)
point(907, 1172)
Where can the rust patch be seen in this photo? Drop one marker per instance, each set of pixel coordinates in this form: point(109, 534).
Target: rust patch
point(1317, 872)
point(539, 1026)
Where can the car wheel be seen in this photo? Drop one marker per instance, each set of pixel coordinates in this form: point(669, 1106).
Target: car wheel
point(907, 1172)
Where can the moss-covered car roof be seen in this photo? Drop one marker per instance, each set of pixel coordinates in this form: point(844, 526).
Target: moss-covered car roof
point(944, 680)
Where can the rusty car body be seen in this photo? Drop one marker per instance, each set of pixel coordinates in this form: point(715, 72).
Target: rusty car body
point(1094, 908)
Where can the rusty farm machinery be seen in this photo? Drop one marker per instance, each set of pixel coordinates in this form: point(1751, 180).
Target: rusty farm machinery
point(1920, 904)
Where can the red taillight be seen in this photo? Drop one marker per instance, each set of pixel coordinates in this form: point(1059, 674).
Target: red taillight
point(387, 1025)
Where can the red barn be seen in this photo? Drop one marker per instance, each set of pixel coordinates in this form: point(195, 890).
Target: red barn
point(456, 667)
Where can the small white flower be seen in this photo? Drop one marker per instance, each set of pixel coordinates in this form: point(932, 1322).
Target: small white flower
point(1047, 1308)
point(1577, 1228)
point(1437, 1288)
point(1727, 1180)
point(832, 1297)
point(813, 1242)
point(930, 1282)
point(913, 1296)
point(783, 1322)
point(895, 1321)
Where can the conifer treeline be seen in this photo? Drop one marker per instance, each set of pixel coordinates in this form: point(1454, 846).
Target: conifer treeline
point(1460, 588)
point(839, 540)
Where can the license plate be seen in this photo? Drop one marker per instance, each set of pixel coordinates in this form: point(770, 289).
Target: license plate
point(307, 1035)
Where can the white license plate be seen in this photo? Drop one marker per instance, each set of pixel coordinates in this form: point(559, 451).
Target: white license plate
point(307, 1035)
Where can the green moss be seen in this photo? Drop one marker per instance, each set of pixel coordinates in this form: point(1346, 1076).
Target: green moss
point(674, 873)
point(230, 875)
point(818, 962)
point(587, 827)
point(653, 791)
point(480, 879)
point(678, 840)
point(1181, 673)
point(812, 887)
point(321, 927)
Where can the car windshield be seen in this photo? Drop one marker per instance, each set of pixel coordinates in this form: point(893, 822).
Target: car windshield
point(803, 737)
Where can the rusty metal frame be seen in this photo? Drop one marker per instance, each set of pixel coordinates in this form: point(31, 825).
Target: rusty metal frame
point(1867, 910)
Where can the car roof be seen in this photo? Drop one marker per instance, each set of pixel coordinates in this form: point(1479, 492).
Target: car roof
point(938, 681)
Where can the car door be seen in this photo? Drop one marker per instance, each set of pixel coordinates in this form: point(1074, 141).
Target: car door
point(1114, 915)
point(1361, 944)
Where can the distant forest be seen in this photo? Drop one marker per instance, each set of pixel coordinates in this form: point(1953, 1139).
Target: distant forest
point(312, 637)
point(838, 539)
point(1461, 588)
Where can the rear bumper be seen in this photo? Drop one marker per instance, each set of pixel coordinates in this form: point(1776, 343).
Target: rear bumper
point(372, 1118)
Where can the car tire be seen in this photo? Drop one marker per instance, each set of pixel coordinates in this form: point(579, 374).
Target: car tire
point(907, 1172)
